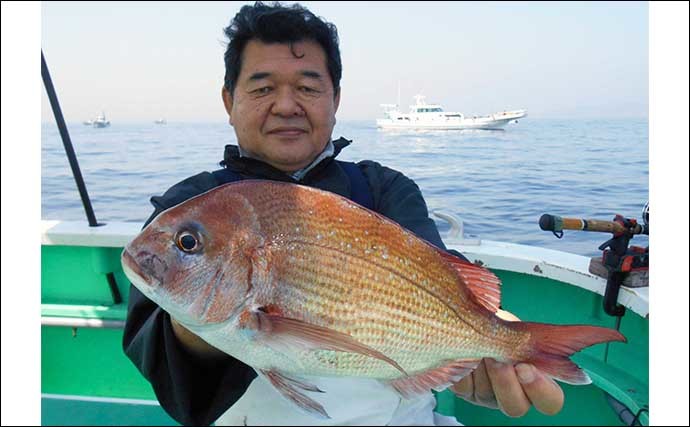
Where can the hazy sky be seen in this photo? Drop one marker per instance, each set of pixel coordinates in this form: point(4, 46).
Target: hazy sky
point(141, 61)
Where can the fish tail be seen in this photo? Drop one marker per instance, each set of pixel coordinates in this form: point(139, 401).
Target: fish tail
point(550, 347)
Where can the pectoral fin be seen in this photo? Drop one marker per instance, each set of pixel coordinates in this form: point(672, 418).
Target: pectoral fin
point(287, 333)
point(288, 388)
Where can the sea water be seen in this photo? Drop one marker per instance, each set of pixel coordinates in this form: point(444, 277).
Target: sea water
point(498, 183)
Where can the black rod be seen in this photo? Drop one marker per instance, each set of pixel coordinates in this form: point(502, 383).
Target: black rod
point(114, 291)
point(67, 142)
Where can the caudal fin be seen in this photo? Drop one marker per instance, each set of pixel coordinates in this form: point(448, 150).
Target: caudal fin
point(552, 346)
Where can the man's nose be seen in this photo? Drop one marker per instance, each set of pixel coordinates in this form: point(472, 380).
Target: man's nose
point(286, 104)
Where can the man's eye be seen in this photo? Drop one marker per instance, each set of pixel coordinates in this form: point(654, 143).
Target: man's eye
point(262, 90)
point(307, 89)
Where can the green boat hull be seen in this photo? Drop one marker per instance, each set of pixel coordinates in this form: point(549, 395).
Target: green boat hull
point(87, 379)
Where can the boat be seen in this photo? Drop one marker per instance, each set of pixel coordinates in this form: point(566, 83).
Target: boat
point(88, 122)
point(88, 380)
point(101, 121)
point(160, 121)
point(423, 116)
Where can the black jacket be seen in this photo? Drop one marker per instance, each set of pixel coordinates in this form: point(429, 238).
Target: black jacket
point(196, 392)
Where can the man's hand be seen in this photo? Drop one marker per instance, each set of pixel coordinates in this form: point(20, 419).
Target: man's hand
point(513, 390)
point(194, 343)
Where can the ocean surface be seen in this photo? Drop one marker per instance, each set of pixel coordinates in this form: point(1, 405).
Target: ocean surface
point(498, 182)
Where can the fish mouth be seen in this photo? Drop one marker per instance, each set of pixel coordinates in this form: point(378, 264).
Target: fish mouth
point(143, 276)
point(137, 275)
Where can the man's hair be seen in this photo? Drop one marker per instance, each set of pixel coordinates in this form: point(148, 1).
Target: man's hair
point(277, 23)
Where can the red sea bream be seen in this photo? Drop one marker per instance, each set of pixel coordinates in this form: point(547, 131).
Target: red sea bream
point(296, 281)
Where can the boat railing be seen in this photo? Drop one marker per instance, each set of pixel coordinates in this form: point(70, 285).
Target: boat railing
point(457, 228)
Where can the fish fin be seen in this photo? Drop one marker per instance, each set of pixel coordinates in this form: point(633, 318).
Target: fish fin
point(552, 345)
point(280, 331)
point(482, 283)
point(288, 388)
point(437, 378)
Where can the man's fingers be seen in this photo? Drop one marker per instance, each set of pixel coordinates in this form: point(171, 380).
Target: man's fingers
point(483, 391)
point(542, 391)
point(509, 394)
point(464, 388)
point(512, 389)
point(476, 388)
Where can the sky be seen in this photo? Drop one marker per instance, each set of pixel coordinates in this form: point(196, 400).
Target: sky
point(140, 61)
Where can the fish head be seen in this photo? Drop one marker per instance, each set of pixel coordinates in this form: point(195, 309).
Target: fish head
point(191, 259)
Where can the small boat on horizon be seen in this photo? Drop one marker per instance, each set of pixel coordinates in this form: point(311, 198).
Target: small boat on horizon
point(161, 121)
point(423, 116)
point(101, 121)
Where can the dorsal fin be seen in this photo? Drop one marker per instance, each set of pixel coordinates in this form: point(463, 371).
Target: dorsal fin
point(482, 283)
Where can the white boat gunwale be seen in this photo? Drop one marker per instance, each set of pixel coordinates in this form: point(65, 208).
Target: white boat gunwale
point(551, 264)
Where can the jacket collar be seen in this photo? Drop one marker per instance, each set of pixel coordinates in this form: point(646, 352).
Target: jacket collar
point(234, 160)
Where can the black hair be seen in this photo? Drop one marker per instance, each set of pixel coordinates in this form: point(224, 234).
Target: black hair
point(277, 23)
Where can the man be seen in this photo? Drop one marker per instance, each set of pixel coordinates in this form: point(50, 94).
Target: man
point(281, 93)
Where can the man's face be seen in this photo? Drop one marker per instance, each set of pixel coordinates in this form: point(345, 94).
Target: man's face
point(283, 107)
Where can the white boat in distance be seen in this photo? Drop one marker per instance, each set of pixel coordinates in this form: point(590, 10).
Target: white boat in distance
point(100, 121)
point(425, 116)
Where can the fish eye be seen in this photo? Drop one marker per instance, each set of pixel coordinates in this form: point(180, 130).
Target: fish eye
point(187, 242)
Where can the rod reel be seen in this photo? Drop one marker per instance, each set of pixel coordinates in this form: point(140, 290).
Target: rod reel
point(619, 258)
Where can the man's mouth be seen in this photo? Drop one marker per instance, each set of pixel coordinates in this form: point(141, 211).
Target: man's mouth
point(287, 131)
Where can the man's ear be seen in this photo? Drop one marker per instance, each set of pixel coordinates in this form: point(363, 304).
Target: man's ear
point(337, 99)
point(227, 102)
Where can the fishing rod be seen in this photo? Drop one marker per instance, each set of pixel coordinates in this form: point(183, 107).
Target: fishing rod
point(618, 257)
point(74, 164)
point(67, 143)
point(619, 225)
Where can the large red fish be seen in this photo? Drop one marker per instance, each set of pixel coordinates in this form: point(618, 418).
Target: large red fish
point(296, 281)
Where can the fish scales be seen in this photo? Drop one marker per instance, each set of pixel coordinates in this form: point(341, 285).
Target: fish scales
point(333, 252)
point(402, 314)
point(353, 253)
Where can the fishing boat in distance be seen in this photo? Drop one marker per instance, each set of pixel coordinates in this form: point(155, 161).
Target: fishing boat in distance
point(160, 121)
point(423, 116)
point(101, 121)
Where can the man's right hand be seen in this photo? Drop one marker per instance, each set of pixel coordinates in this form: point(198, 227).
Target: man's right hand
point(193, 343)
